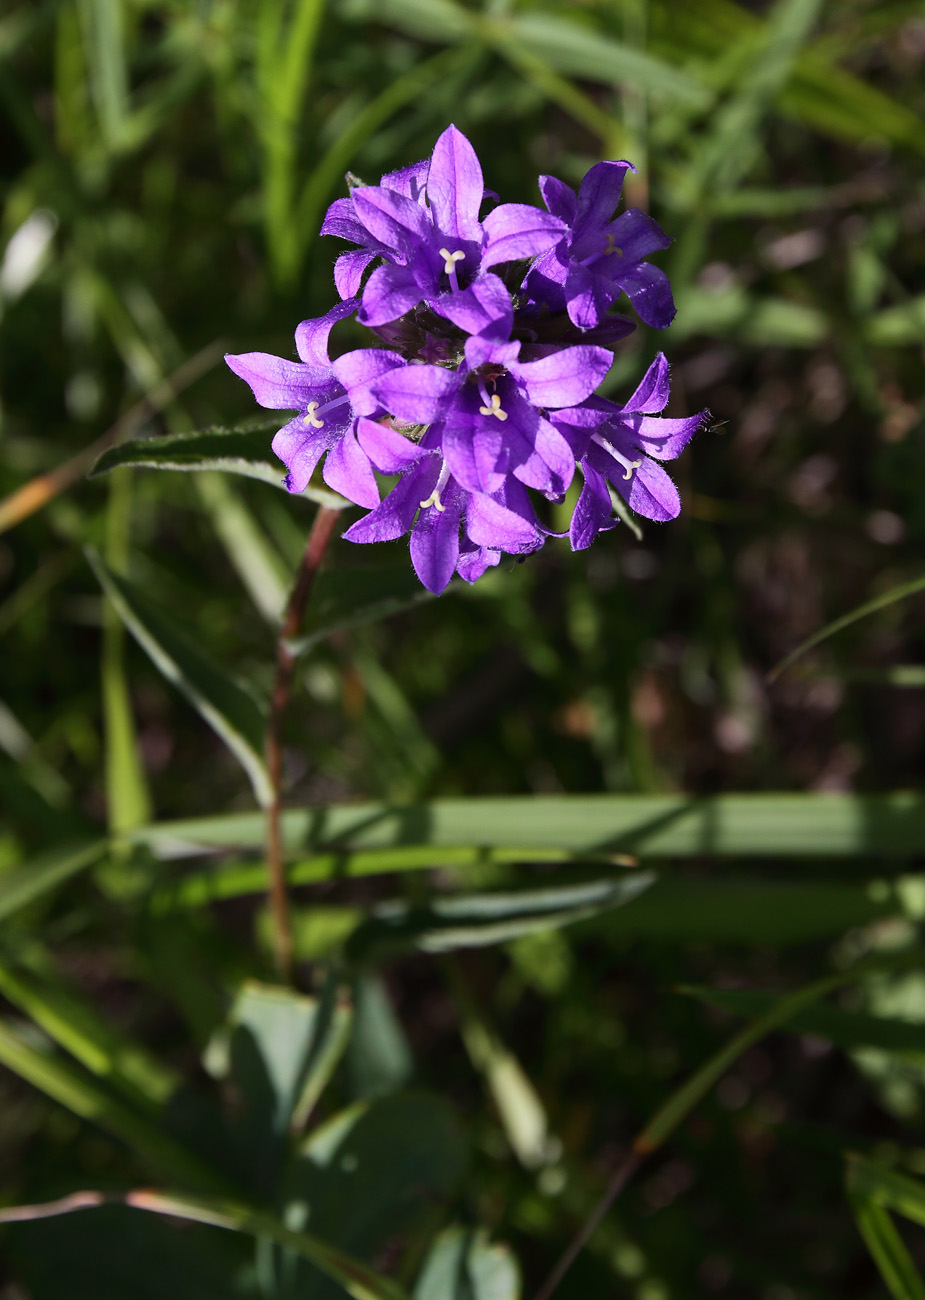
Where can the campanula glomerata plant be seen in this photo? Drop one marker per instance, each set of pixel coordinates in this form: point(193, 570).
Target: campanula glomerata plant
point(493, 335)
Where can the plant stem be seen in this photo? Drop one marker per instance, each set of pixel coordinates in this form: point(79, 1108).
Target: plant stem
point(321, 533)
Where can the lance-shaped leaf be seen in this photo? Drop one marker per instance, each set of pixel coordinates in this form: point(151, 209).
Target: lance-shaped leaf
point(476, 920)
point(227, 707)
point(244, 450)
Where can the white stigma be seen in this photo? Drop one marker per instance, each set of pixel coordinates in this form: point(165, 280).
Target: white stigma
point(450, 259)
point(311, 416)
point(628, 465)
point(611, 245)
point(494, 408)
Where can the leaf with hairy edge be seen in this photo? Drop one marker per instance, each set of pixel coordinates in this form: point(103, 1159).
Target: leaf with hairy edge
point(227, 707)
point(244, 450)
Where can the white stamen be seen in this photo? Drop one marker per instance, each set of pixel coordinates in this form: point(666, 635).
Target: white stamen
point(628, 465)
point(450, 259)
point(494, 408)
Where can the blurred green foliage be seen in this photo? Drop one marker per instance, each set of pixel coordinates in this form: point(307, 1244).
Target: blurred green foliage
point(164, 170)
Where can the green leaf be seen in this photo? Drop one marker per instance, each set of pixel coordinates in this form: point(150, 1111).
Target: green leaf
point(871, 1181)
point(888, 1251)
point(476, 920)
point(23, 885)
point(897, 326)
point(671, 826)
point(231, 712)
point(378, 1056)
point(76, 1026)
point(344, 598)
point(283, 1048)
point(855, 615)
point(587, 54)
point(369, 1174)
point(81, 1094)
point(244, 450)
point(847, 1029)
point(463, 1265)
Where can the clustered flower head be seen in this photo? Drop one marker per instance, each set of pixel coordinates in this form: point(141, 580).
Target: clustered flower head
point(493, 334)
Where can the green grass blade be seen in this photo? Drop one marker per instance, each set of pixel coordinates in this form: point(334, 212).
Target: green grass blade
point(671, 826)
point(128, 802)
point(846, 1029)
point(245, 450)
point(23, 885)
point(256, 562)
point(232, 713)
point(889, 1253)
point(104, 22)
point(75, 1025)
point(79, 1093)
point(870, 1181)
point(887, 598)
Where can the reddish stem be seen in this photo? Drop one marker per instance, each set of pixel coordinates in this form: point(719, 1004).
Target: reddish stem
point(321, 533)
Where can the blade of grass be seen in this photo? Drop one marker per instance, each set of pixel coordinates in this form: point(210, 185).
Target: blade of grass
point(855, 615)
point(23, 885)
point(672, 826)
point(232, 713)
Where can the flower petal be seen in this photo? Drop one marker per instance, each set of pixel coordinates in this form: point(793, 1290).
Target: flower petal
point(396, 221)
point(593, 511)
point(347, 470)
point(599, 193)
point(394, 516)
point(311, 337)
point(419, 394)
point(282, 385)
point(648, 290)
point(348, 271)
point(650, 492)
point(474, 560)
point(435, 539)
point(476, 451)
point(565, 377)
point(390, 292)
point(652, 393)
point(664, 438)
point(491, 524)
point(409, 181)
point(390, 452)
point(559, 198)
point(636, 235)
point(484, 308)
point(455, 185)
point(358, 370)
point(300, 447)
point(516, 230)
point(341, 220)
point(588, 296)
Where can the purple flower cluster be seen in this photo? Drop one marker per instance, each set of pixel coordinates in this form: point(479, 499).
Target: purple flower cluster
point(481, 388)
